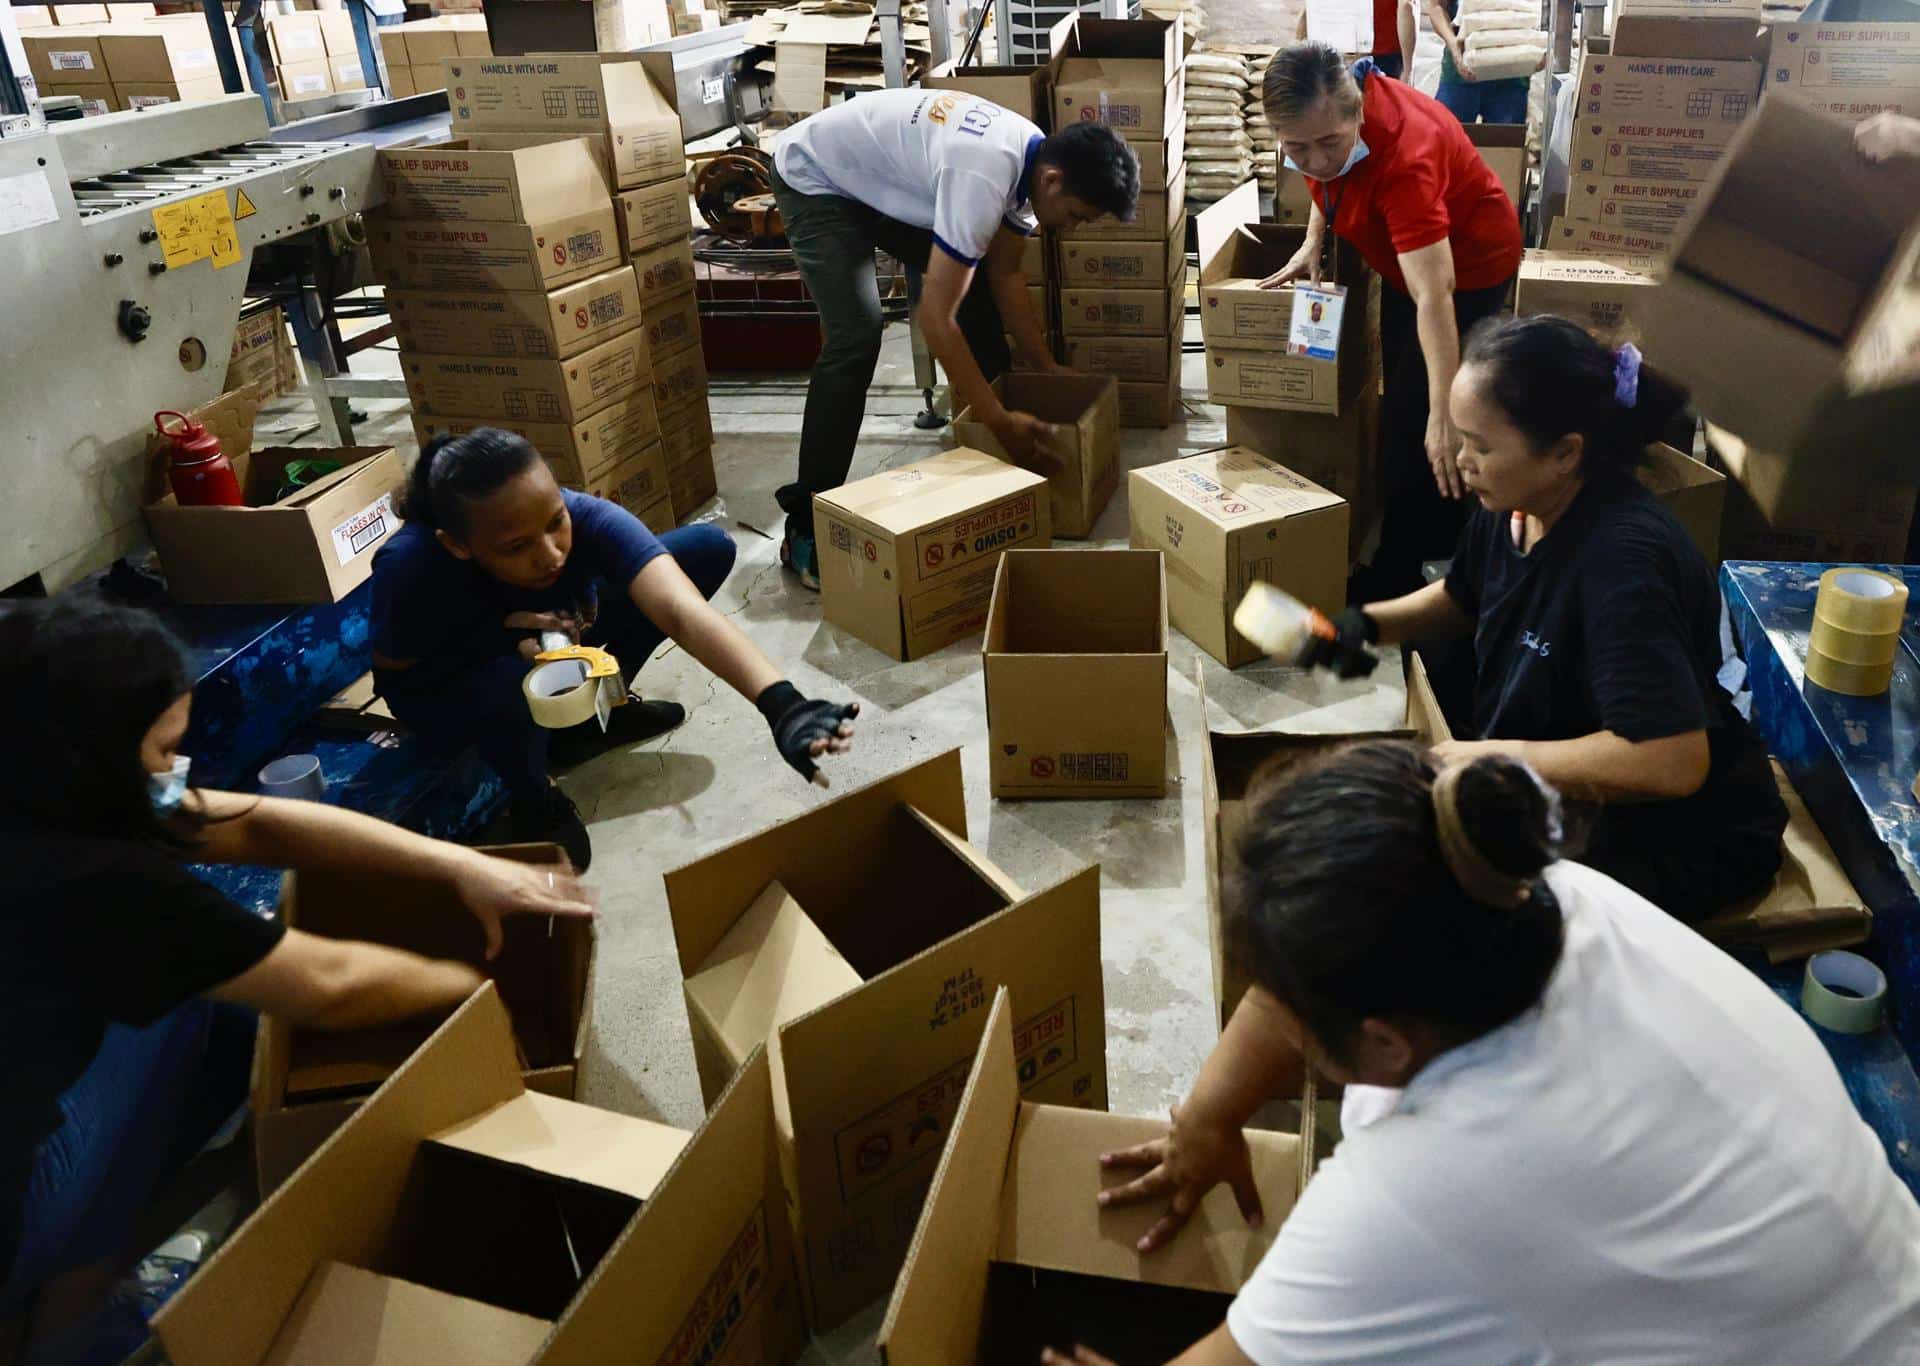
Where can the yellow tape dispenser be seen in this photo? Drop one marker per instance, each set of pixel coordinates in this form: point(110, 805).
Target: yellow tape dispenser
point(561, 688)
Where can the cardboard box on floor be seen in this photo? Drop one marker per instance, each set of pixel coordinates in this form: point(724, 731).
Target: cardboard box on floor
point(1013, 1253)
point(1666, 90)
point(460, 1216)
point(1338, 453)
point(686, 438)
point(578, 453)
point(1124, 73)
point(639, 484)
point(1143, 264)
point(1153, 403)
point(1023, 89)
point(1226, 517)
point(1075, 670)
point(629, 99)
point(315, 545)
point(1606, 297)
point(473, 180)
point(1503, 146)
point(554, 325)
point(306, 1083)
point(1783, 317)
point(1859, 61)
point(1695, 493)
point(1132, 360)
point(680, 378)
point(1795, 508)
point(1236, 767)
point(1659, 206)
point(1085, 413)
point(529, 390)
point(773, 937)
point(907, 556)
point(415, 254)
point(1712, 29)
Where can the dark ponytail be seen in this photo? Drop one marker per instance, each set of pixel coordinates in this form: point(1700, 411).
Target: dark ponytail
point(453, 471)
point(1553, 380)
point(1344, 907)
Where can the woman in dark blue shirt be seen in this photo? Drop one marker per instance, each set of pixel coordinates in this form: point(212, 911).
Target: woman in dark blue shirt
point(1595, 620)
point(493, 554)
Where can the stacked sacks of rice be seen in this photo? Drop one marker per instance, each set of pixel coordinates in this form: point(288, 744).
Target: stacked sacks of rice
point(1266, 164)
point(1219, 152)
point(1191, 14)
point(1503, 37)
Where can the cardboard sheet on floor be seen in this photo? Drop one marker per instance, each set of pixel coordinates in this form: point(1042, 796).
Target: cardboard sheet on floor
point(1012, 1252)
point(1812, 904)
point(931, 927)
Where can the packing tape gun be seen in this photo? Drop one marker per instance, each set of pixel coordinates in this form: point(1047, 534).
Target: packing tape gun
point(561, 690)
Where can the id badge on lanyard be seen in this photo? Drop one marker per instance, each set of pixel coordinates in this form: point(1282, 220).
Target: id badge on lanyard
point(1314, 331)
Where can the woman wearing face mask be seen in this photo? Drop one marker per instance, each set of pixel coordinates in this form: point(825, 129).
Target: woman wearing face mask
point(493, 554)
point(1574, 1131)
point(128, 985)
point(1392, 172)
point(1594, 619)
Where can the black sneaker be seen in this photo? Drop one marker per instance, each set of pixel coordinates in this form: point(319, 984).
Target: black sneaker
point(556, 820)
point(627, 725)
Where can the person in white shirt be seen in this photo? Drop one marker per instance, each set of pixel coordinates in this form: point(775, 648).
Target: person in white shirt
point(951, 185)
point(1575, 1130)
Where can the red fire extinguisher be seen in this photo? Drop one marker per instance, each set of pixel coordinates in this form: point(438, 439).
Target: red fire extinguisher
point(198, 469)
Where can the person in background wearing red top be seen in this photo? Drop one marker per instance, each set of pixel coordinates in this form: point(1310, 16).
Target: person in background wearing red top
point(1395, 175)
point(1393, 37)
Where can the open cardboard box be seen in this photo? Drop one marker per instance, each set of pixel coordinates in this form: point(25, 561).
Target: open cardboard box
point(1695, 493)
point(461, 1217)
point(1503, 146)
point(1085, 413)
point(1776, 310)
point(1236, 766)
point(1023, 89)
point(874, 968)
point(1121, 72)
point(315, 545)
point(306, 1083)
point(1793, 508)
point(1076, 674)
point(1013, 1254)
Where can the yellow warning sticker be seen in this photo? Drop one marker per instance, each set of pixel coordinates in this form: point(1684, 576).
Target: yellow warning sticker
point(198, 229)
point(242, 206)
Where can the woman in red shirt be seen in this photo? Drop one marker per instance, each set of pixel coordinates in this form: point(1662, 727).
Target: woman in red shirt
point(1394, 173)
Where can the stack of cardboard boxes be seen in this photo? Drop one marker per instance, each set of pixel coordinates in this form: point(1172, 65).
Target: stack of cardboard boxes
point(510, 293)
point(1656, 106)
point(1122, 286)
point(414, 51)
point(626, 109)
point(1317, 414)
point(1852, 71)
point(125, 65)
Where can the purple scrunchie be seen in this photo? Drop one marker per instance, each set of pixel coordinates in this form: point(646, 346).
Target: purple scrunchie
point(1626, 375)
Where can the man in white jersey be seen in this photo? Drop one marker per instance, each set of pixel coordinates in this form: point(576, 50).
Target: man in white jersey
point(1589, 1134)
point(951, 185)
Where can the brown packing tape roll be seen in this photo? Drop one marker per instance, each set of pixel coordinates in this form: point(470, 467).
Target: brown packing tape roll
point(1854, 680)
point(1864, 601)
point(1852, 647)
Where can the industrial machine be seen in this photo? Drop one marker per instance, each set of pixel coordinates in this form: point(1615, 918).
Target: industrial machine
point(126, 243)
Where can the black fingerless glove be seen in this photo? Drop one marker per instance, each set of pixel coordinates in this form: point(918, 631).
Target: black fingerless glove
point(1346, 654)
point(797, 722)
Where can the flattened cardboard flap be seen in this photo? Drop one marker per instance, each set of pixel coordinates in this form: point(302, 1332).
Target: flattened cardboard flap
point(348, 1314)
point(1424, 717)
point(1217, 224)
point(572, 1142)
point(939, 1300)
point(1050, 1216)
point(339, 1204)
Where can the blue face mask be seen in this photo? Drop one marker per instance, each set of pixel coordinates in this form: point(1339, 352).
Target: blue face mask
point(1354, 158)
point(167, 790)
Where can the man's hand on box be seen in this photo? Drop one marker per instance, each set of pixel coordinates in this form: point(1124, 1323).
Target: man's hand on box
point(1029, 442)
point(1191, 1160)
point(495, 888)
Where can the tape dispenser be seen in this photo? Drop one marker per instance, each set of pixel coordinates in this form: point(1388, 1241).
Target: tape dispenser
point(569, 683)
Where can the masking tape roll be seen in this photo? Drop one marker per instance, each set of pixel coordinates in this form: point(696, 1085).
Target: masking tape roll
point(1843, 992)
point(1851, 647)
point(559, 693)
point(1864, 601)
point(1851, 680)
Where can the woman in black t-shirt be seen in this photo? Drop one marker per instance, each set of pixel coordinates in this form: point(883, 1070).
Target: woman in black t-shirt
point(1595, 620)
point(128, 985)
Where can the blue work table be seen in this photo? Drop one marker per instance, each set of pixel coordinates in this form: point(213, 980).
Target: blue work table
point(1853, 761)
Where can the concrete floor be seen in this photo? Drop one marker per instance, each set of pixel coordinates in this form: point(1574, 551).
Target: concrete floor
point(718, 777)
